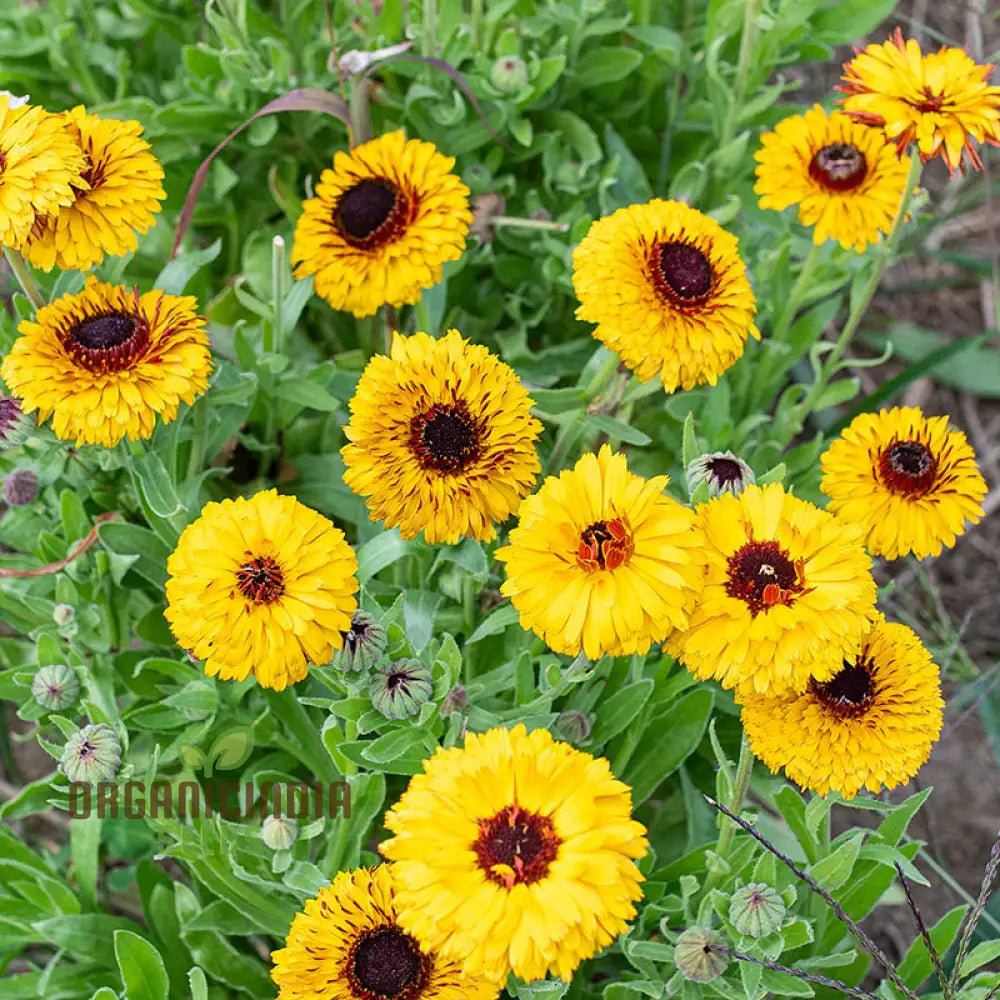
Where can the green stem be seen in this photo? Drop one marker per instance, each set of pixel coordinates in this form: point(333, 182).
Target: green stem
point(278, 294)
point(429, 35)
point(350, 735)
point(860, 305)
point(360, 108)
point(25, 277)
point(303, 732)
point(783, 320)
point(476, 25)
point(199, 435)
point(742, 71)
point(514, 222)
point(741, 785)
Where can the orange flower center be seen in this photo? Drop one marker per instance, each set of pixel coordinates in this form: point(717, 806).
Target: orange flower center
point(260, 580)
point(763, 575)
point(605, 545)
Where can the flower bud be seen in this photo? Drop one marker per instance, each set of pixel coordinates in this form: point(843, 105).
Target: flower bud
point(92, 754)
point(20, 487)
point(573, 726)
point(63, 614)
point(509, 74)
point(456, 700)
point(399, 689)
point(721, 472)
point(55, 686)
point(15, 425)
point(279, 833)
point(696, 957)
point(364, 643)
point(756, 910)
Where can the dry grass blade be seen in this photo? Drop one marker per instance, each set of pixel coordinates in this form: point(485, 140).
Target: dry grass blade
point(985, 890)
point(924, 933)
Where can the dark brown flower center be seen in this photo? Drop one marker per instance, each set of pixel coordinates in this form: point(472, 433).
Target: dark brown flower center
point(682, 272)
point(386, 962)
point(605, 545)
point(839, 166)
point(355, 636)
point(907, 468)
point(372, 213)
point(445, 438)
point(87, 750)
point(110, 342)
point(724, 471)
point(763, 575)
point(516, 846)
point(260, 580)
point(930, 102)
point(848, 694)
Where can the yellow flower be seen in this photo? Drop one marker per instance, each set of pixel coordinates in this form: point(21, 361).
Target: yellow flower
point(384, 220)
point(442, 439)
point(907, 481)
point(38, 164)
point(942, 101)
point(845, 179)
point(119, 194)
point(668, 291)
point(870, 725)
point(108, 361)
point(601, 560)
point(347, 945)
point(261, 586)
point(788, 593)
point(515, 853)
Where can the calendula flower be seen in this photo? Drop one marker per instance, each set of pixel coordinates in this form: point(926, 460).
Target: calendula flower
point(55, 686)
point(846, 180)
point(719, 472)
point(39, 163)
point(601, 561)
point(441, 439)
point(788, 593)
point(942, 101)
point(347, 944)
point(871, 724)
point(92, 754)
point(107, 362)
point(384, 220)
point(117, 195)
point(515, 853)
point(261, 586)
point(908, 481)
point(15, 425)
point(668, 291)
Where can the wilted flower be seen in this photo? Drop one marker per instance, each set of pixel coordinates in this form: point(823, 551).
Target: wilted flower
point(279, 833)
point(456, 700)
point(55, 686)
point(92, 754)
point(721, 472)
point(20, 488)
point(756, 910)
point(573, 726)
point(364, 643)
point(509, 74)
point(696, 956)
point(399, 690)
point(15, 425)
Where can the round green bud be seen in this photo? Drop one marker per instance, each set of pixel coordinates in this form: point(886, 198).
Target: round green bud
point(20, 488)
point(719, 471)
point(16, 426)
point(509, 74)
point(279, 833)
point(401, 688)
point(364, 643)
point(697, 956)
point(756, 910)
point(55, 686)
point(573, 726)
point(456, 700)
point(92, 754)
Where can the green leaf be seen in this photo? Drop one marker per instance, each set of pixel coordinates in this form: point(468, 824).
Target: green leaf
point(848, 20)
point(379, 552)
point(893, 827)
point(669, 739)
point(85, 839)
point(198, 984)
point(141, 967)
point(74, 518)
point(83, 935)
point(174, 278)
point(608, 66)
point(129, 539)
point(982, 954)
point(916, 965)
point(835, 869)
point(494, 623)
point(620, 709)
point(617, 429)
point(308, 394)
